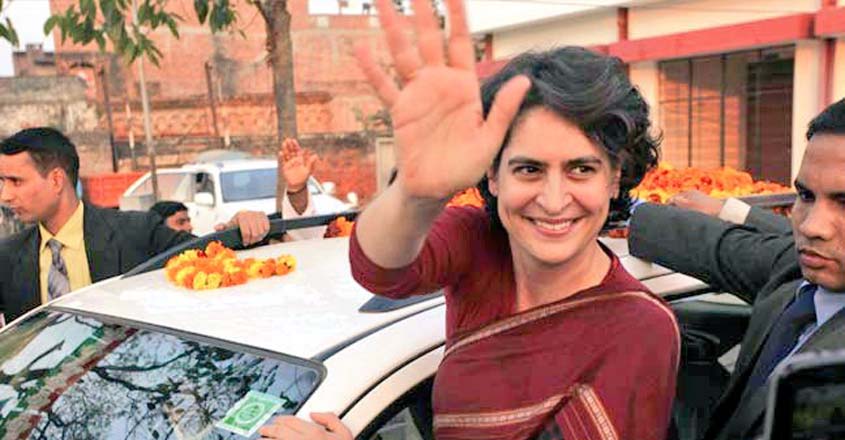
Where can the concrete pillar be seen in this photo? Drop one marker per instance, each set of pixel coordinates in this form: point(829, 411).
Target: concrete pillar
point(646, 76)
point(839, 71)
point(806, 99)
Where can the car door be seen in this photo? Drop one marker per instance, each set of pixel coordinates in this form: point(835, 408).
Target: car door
point(712, 326)
point(399, 406)
point(205, 202)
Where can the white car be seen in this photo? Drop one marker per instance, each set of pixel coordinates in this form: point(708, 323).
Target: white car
point(137, 357)
point(214, 191)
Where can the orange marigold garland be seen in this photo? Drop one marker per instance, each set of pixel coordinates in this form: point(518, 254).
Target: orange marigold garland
point(218, 266)
point(665, 181)
point(339, 227)
point(467, 197)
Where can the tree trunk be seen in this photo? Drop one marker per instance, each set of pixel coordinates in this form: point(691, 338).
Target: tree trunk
point(280, 56)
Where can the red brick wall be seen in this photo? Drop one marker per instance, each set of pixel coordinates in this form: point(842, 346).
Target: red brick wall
point(322, 58)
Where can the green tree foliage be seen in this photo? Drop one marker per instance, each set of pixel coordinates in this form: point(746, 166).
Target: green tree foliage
point(110, 21)
point(7, 31)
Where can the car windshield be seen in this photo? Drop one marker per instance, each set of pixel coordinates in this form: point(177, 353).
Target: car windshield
point(171, 186)
point(70, 376)
point(238, 186)
point(248, 184)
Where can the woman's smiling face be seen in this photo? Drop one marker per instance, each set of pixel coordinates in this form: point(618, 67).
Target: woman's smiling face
point(553, 187)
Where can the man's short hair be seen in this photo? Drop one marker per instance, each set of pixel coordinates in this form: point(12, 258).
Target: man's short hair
point(48, 148)
point(829, 121)
point(166, 208)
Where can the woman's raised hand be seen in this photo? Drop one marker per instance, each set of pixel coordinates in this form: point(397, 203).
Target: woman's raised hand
point(444, 144)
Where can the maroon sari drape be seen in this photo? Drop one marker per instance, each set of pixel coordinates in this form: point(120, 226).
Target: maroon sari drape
point(598, 365)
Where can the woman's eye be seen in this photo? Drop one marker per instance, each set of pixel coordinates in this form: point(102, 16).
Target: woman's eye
point(583, 170)
point(526, 170)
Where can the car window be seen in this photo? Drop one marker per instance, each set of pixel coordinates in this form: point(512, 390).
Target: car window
point(408, 418)
point(248, 184)
point(177, 187)
point(70, 376)
point(399, 427)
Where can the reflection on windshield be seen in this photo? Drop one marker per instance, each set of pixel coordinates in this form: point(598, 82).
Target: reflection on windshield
point(248, 185)
point(65, 376)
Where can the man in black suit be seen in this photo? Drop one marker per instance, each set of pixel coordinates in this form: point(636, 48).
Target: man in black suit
point(795, 283)
point(72, 244)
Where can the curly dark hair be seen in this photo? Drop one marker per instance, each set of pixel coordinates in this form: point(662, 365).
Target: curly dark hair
point(593, 92)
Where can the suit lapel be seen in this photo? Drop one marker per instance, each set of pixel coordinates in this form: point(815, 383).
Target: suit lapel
point(830, 336)
point(766, 313)
point(752, 407)
point(103, 255)
point(732, 407)
point(27, 273)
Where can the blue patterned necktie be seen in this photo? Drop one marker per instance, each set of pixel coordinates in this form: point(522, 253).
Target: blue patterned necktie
point(784, 335)
point(57, 281)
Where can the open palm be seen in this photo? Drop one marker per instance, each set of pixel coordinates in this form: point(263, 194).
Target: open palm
point(298, 164)
point(444, 144)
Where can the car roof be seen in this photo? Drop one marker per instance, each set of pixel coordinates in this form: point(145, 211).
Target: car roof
point(233, 165)
point(311, 311)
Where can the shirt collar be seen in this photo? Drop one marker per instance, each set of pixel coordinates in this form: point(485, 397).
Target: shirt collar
point(71, 234)
point(826, 303)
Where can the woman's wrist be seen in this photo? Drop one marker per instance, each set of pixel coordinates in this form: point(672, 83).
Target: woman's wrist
point(297, 190)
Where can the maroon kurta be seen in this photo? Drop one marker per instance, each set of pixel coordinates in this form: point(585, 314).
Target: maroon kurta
point(598, 365)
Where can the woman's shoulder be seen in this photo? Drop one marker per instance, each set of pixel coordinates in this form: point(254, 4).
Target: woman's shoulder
point(463, 222)
point(642, 312)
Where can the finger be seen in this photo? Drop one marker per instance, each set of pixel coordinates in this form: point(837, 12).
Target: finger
point(287, 147)
point(505, 105)
point(296, 425)
point(329, 421)
point(384, 86)
point(219, 227)
point(405, 56)
point(243, 226)
point(279, 431)
point(461, 50)
point(312, 160)
point(264, 227)
point(429, 37)
point(251, 230)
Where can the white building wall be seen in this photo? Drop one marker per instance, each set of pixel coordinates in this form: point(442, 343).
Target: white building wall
point(581, 30)
point(839, 69)
point(676, 16)
point(646, 76)
point(806, 99)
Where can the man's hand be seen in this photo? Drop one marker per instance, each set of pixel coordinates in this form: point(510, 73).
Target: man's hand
point(298, 164)
point(254, 226)
point(327, 426)
point(697, 201)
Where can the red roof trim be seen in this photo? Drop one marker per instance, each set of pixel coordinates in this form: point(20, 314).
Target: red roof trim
point(830, 21)
point(718, 39)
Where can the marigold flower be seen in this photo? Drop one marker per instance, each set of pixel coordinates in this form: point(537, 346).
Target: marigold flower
point(218, 266)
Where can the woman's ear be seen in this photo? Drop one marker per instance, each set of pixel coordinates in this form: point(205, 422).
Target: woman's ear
point(492, 185)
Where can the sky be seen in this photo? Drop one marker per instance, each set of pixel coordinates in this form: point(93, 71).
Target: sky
point(28, 16)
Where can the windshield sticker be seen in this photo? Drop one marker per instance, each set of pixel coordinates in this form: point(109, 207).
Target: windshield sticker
point(250, 413)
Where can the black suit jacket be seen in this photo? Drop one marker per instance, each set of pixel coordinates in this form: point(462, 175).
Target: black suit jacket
point(115, 242)
point(759, 264)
